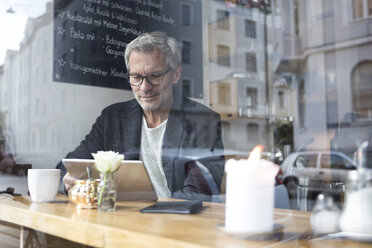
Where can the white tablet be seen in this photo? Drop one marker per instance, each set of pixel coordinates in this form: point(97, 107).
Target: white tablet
point(132, 180)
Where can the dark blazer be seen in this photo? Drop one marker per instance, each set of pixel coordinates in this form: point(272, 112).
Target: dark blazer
point(190, 126)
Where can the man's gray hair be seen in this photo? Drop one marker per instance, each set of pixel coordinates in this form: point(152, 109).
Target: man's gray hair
point(148, 42)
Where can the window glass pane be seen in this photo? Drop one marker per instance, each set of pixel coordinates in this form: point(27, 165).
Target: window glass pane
point(224, 94)
point(251, 62)
point(362, 89)
point(186, 87)
point(251, 97)
point(186, 52)
point(306, 161)
point(223, 55)
point(250, 29)
point(357, 6)
point(342, 163)
point(223, 20)
point(325, 161)
point(295, 78)
point(186, 15)
point(253, 133)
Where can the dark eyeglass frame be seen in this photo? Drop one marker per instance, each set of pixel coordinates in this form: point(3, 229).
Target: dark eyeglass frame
point(128, 75)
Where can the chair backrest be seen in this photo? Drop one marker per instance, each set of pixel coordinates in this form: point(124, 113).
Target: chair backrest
point(281, 199)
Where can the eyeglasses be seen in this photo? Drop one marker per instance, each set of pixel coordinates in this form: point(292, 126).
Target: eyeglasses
point(154, 79)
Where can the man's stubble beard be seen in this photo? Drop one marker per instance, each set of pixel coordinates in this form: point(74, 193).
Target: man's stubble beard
point(158, 104)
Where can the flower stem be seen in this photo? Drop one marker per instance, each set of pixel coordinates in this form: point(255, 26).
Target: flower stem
point(103, 188)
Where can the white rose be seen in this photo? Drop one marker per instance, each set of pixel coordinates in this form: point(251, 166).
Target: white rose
point(107, 161)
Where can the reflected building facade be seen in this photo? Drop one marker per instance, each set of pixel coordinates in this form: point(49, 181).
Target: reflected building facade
point(245, 39)
point(333, 61)
point(43, 120)
point(297, 73)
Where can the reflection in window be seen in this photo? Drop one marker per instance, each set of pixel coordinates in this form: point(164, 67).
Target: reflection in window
point(37, 75)
point(43, 138)
point(325, 161)
point(251, 94)
point(361, 8)
point(33, 139)
point(186, 14)
point(306, 161)
point(250, 62)
point(44, 110)
point(93, 45)
point(186, 52)
point(224, 94)
point(37, 103)
point(223, 55)
point(321, 9)
point(20, 116)
point(44, 80)
point(357, 9)
point(252, 131)
point(250, 29)
point(45, 46)
point(362, 88)
point(223, 21)
point(64, 58)
point(301, 103)
point(338, 162)
point(63, 30)
point(281, 99)
point(226, 129)
point(186, 87)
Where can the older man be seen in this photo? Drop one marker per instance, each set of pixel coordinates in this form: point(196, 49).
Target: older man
point(159, 125)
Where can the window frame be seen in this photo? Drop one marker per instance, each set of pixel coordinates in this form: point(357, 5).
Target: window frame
point(182, 15)
point(365, 6)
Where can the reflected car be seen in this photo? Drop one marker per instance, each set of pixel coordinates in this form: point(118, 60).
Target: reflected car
point(211, 164)
point(326, 171)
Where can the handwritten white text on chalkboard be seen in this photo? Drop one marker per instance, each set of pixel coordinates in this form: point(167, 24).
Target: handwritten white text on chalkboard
point(115, 5)
point(79, 18)
point(116, 73)
point(153, 4)
point(112, 41)
point(120, 27)
point(90, 9)
point(76, 34)
point(123, 18)
point(114, 52)
point(87, 69)
point(93, 1)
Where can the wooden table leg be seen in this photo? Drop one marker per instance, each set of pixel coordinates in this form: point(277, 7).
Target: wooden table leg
point(21, 238)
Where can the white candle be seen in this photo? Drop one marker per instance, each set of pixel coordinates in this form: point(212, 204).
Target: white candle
point(250, 194)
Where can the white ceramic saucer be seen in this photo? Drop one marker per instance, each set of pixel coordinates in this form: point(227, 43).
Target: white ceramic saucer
point(275, 234)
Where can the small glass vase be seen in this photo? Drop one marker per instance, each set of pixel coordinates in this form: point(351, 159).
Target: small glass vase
point(106, 193)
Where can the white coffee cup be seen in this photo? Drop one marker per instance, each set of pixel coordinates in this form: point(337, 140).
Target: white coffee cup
point(43, 184)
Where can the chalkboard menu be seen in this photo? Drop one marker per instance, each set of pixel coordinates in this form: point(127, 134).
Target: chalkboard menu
point(90, 37)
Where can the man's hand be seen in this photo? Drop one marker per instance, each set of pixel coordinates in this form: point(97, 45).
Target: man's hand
point(69, 181)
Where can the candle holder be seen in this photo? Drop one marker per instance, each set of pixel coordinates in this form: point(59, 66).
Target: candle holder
point(84, 193)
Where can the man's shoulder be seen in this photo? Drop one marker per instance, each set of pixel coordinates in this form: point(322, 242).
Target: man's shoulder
point(121, 107)
point(194, 107)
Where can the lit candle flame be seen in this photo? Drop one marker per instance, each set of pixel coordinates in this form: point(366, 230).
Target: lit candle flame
point(255, 154)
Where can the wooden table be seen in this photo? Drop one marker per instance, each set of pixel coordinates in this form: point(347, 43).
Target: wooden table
point(127, 227)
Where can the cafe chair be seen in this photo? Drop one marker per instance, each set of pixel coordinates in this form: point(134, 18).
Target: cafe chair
point(208, 178)
point(281, 199)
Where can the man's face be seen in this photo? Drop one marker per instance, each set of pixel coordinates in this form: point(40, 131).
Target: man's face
point(148, 96)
